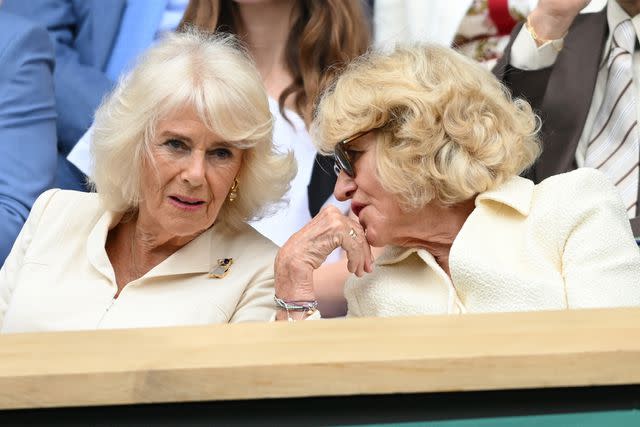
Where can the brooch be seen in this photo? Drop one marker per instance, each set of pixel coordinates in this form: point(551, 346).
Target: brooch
point(221, 270)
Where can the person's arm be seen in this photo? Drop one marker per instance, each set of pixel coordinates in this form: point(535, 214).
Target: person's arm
point(551, 19)
point(79, 87)
point(306, 250)
point(28, 152)
point(9, 272)
point(526, 64)
point(329, 280)
point(600, 259)
point(256, 302)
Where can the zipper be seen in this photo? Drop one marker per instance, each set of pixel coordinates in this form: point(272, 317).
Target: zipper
point(113, 301)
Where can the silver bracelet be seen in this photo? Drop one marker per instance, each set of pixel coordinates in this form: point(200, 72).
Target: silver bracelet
point(309, 306)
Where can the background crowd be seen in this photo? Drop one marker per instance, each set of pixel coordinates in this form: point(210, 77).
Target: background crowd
point(111, 99)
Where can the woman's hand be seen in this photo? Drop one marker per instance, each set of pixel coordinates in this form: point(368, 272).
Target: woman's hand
point(551, 19)
point(307, 249)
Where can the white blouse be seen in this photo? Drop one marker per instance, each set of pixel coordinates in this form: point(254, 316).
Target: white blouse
point(295, 214)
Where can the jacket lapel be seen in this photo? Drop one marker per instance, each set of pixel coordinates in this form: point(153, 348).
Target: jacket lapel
point(569, 92)
point(197, 256)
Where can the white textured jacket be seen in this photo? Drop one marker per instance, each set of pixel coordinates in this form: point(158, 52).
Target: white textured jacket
point(564, 243)
point(58, 275)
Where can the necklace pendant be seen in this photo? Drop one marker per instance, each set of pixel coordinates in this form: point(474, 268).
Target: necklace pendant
point(221, 270)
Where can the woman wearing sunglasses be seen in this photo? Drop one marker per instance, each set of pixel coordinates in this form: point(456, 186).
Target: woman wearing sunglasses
point(429, 148)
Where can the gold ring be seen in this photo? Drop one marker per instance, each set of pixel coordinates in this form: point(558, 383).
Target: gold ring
point(353, 234)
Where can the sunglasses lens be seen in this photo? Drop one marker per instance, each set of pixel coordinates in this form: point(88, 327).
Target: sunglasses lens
point(342, 161)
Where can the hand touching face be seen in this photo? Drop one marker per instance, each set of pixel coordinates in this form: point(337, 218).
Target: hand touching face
point(307, 249)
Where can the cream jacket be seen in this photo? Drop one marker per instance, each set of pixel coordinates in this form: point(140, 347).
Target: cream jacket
point(565, 243)
point(58, 275)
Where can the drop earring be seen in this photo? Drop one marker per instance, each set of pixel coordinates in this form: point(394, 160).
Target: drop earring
point(233, 193)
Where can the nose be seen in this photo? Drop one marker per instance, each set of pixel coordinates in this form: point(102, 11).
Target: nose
point(193, 171)
point(345, 187)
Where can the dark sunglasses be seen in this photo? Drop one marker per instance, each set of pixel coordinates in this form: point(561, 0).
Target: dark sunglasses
point(342, 159)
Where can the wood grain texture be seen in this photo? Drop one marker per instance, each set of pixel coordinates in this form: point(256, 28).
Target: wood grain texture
point(321, 358)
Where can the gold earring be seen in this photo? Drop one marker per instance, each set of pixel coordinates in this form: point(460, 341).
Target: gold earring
point(233, 193)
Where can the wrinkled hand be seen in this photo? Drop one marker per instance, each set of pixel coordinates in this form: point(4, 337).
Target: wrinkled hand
point(552, 18)
point(307, 249)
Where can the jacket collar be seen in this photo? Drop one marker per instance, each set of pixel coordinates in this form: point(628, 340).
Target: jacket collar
point(198, 256)
point(516, 193)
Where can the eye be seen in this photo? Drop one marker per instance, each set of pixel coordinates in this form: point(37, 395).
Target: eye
point(220, 153)
point(353, 154)
point(176, 145)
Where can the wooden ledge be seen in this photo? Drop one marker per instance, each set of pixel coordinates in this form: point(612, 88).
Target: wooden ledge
point(321, 358)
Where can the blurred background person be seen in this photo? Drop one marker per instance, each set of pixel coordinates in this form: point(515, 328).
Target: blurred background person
point(27, 123)
point(580, 72)
point(184, 159)
point(94, 42)
point(429, 147)
point(478, 28)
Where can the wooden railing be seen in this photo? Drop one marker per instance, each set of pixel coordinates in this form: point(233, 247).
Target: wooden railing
point(321, 358)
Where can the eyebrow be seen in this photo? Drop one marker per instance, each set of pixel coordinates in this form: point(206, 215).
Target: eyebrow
point(178, 135)
point(173, 134)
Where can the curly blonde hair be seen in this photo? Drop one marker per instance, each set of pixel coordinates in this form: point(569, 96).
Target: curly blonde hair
point(215, 77)
point(446, 129)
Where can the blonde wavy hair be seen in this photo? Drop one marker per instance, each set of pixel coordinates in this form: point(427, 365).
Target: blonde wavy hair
point(215, 77)
point(446, 129)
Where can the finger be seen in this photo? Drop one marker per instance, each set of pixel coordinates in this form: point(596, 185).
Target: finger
point(367, 266)
point(357, 249)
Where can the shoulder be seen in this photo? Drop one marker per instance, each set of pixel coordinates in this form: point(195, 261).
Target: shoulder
point(56, 212)
point(583, 182)
point(573, 197)
point(250, 242)
point(72, 204)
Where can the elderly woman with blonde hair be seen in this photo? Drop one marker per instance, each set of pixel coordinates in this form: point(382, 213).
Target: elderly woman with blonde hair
point(429, 147)
point(183, 159)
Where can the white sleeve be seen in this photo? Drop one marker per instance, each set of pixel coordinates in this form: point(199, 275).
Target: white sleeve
point(256, 303)
point(80, 154)
point(526, 55)
point(11, 268)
